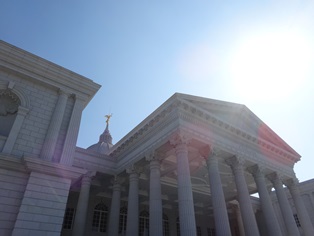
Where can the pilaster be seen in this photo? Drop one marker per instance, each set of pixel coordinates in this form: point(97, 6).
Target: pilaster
point(19, 119)
point(72, 133)
point(51, 138)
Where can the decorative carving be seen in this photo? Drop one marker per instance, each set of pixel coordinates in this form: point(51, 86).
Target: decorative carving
point(11, 85)
point(212, 157)
point(236, 163)
point(257, 171)
point(134, 169)
point(275, 178)
point(151, 155)
point(87, 178)
point(291, 183)
point(9, 103)
point(179, 137)
point(117, 180)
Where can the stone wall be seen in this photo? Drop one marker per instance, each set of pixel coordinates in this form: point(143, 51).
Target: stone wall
point(12, 189)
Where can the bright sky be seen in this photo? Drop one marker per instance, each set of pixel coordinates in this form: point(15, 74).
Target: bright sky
point(260, 54)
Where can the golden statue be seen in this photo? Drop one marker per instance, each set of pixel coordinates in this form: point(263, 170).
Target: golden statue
point(108, 118)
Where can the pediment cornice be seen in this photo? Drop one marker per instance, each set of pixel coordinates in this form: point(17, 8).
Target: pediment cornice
point(179, 108)
point(191, 111)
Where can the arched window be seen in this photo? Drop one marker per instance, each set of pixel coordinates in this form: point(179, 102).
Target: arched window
point(100, 216)
point(165, 223)
point(9, 104)
point(123, 220)
point(144, 223)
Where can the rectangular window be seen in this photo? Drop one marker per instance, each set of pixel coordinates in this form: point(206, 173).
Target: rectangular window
point(166, 228)
point(296, 218)
point(211, 232)
point(199, 231)
point(99, 223)
point(68, 219)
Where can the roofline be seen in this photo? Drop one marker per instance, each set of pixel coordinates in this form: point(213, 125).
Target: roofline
point(36, 68)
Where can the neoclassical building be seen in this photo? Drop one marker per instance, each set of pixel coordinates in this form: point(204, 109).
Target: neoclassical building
point(195, 166)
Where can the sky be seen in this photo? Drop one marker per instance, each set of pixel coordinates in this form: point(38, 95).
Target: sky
point(257, 53)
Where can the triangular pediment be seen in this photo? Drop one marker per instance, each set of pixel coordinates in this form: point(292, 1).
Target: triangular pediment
point(239, 117)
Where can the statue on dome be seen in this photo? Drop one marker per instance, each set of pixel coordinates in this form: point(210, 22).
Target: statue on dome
point(108, 118)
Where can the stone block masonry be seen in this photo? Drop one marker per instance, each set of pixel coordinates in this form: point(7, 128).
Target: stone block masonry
point(43, 206)
point(12, 187)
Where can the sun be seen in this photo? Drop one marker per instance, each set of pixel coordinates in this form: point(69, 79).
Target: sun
point(271, 66)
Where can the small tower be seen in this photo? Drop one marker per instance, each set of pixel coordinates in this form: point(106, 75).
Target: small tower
point(105, 140)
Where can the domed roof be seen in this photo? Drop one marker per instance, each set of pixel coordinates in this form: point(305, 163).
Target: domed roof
point(104, 144)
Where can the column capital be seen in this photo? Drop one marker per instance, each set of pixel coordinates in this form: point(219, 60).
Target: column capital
point(179, 138)
point(292, 183)
point(87, 178)
point(134, 169)
point(233, 206)
point(212, 155)
point(117, 180)
point(275, 178)
point(236, 163)
point(257, 170)
point(151, 155)
point(62, 92)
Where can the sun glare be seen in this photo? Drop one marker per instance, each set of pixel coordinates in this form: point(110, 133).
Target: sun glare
point(271, 66)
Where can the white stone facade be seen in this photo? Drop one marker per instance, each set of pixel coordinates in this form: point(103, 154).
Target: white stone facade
point(189, 168)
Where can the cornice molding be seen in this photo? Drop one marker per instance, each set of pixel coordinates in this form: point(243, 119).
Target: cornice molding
point(156, 119)
point(55, 169)
point(12, 163)
point(203, 115)
point(44, 71)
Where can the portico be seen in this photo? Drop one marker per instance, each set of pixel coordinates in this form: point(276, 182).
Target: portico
point(188, 162)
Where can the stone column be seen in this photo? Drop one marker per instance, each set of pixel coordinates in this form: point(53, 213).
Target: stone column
point(82, 206)
point(248, 217)
point(266, 204)
point(218, 198)
point(21, 113)
point(237, 213)
point(185, 194)
point(304, 218)
point(155, 202)
point(133, 205)
point(49, 146)
point(113, 226)
point(72, 133)
point(284, 205)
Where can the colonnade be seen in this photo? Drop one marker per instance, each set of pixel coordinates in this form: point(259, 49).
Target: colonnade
point(186, 204)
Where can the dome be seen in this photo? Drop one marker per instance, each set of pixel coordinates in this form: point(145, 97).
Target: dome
point(104, 144)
